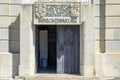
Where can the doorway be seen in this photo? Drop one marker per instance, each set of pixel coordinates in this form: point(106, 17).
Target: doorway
point(46, 49)
point(61, 44)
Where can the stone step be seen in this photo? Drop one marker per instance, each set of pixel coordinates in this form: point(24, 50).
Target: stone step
point(59, 78)
point(64, 77)
point(6, 79)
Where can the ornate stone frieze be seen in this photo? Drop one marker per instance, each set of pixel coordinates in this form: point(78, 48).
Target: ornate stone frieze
point(57, 13)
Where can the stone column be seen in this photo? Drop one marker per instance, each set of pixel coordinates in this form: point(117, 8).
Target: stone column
point(87, 41)
point(27, 42)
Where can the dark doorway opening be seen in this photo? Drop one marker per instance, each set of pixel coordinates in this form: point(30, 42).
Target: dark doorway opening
point(62, 47)
point(48, 66)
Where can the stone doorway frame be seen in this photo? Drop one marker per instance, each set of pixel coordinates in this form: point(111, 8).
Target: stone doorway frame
point(27, 44)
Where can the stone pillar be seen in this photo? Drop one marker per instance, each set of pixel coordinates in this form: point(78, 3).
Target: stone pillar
point(87, 38)
point(27, 42)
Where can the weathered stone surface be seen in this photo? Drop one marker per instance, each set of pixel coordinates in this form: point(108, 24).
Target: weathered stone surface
point(14, 46)
point(4, 1)
point(113, 1)
point(107, 1)
point(112, 10)
point(96, 1)
point(97, 46)
point(108, 65)
point(32, 1)
point(14, 9)
point(111, 34)
point(113, 46)
point(112, 22)
point(4, 9)
point(4, 46)
point(97, 10)
point(27, 42)
point(99, 22)
point(14, 34)
point(15, 1)
point(97, 34)
point(87, 30)
point(9, 67)
point(67, 77)
point(59, 77)
point(14, 22)
point(4, 34)
point(4, 20)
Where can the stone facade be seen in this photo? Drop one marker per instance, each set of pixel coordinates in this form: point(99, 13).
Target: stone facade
point(107, 37)
point(9, 38)
point(99, 37)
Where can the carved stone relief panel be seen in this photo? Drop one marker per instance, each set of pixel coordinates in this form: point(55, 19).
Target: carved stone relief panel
point(57, 13)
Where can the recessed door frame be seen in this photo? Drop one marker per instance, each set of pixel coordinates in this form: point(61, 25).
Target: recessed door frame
point(56, 57)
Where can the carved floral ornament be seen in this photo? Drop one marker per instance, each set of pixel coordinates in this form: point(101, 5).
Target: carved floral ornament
point(57, 10)
point(40, 10)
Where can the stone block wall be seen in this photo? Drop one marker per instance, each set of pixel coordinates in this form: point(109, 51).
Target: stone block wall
point(4, 23)
point(107, 37)
point(9, 37)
